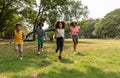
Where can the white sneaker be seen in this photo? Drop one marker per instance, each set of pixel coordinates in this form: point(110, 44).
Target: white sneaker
point(38, 52)
point(75, 52)
point(42, 49)
point(21, 58)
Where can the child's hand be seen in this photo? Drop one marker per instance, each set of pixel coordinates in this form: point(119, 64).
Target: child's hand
point(54, 36)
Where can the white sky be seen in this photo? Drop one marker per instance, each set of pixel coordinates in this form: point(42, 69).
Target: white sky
point(99, 8)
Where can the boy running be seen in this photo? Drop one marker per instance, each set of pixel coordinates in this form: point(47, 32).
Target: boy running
point(40, 33)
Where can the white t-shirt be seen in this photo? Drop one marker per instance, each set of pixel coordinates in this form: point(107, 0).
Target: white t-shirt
point(60, 33)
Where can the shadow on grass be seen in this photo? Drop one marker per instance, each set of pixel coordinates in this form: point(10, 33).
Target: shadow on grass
point(91, 72)
point(80, 54)
point(44, 63)
point(65, 60)
point(13, 63)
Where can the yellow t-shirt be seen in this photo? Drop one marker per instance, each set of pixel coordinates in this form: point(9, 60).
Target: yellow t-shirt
point(18, 37)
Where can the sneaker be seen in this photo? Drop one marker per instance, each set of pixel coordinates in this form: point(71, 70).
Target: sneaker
point(75, 52)
point(59, 57)
point(56, 50)
point(38, 53)
point(21, 58)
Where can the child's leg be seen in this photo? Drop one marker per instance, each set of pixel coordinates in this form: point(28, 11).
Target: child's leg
point(57, 43)
point(42, 41)
point(39, 45)
point(74, 41)
point(61, 46)
point(20, 46)
point(16, 47)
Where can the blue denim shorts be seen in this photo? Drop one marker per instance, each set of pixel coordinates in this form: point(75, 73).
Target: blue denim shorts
point(75, 36)
point(40, 41)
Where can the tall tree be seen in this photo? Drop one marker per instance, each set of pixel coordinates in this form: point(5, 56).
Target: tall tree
point(75, 10)
point(45, 13)
point(11, 12)
point(51, 10)
point(109, 27)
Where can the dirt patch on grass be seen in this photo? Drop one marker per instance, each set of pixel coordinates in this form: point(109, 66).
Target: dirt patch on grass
point(1, 76)
point(34, 75)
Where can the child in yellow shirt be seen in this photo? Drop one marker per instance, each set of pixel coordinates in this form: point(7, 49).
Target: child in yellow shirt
point(18, 39)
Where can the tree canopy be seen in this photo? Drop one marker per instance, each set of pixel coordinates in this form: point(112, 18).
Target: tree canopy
point(109, 27)
point(14, 11)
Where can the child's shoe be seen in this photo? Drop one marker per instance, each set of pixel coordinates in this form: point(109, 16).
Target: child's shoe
point(21, 58)
point(38, 53)
point(56, 50)
point(75, 52)
point(59, 57)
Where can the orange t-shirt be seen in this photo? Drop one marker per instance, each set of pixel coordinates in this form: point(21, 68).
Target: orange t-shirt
point(18, 37)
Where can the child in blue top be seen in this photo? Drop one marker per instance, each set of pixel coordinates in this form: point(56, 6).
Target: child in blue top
point(40, 34)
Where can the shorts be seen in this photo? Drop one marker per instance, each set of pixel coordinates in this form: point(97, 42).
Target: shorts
point(40, 41)
point(18, 47)
point(75, 36)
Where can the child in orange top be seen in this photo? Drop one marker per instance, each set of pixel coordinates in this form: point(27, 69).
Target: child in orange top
point(18, 39)
point(74, 32)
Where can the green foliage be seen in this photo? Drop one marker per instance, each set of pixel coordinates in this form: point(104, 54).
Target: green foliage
point(74, 10)
point(10, 12)
point(29, 14)
point(87, 28)
point(13, 12)
point(109, 26)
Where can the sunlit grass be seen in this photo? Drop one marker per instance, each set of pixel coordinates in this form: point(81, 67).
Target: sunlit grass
point(96, 58)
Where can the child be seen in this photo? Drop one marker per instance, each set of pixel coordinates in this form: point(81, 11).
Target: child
point(18, 39)
point(59, 34)
point(74, 32)
point(40, 32)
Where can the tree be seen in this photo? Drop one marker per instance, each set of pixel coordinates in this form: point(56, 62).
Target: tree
point(87, 28)
point(109, 26)
point(72, 9)
point(11, 12)
point(75, 10)
point(23, 11)
point(46, 8)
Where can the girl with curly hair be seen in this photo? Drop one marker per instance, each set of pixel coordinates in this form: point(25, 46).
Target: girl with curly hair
point(59, 34)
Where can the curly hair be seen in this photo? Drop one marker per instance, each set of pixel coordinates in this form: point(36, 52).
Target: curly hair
point(73, 22)
point(40, 24)
point(57, 24)
point(18, 25)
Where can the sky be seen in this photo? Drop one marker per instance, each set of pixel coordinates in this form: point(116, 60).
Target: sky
point(99, 8)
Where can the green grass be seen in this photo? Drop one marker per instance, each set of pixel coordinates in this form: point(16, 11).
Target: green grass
point(96, 58)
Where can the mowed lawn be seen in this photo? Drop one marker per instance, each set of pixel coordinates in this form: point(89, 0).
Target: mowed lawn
point(96, 58)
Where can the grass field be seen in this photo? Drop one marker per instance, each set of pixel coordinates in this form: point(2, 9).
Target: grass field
point(96, 58)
